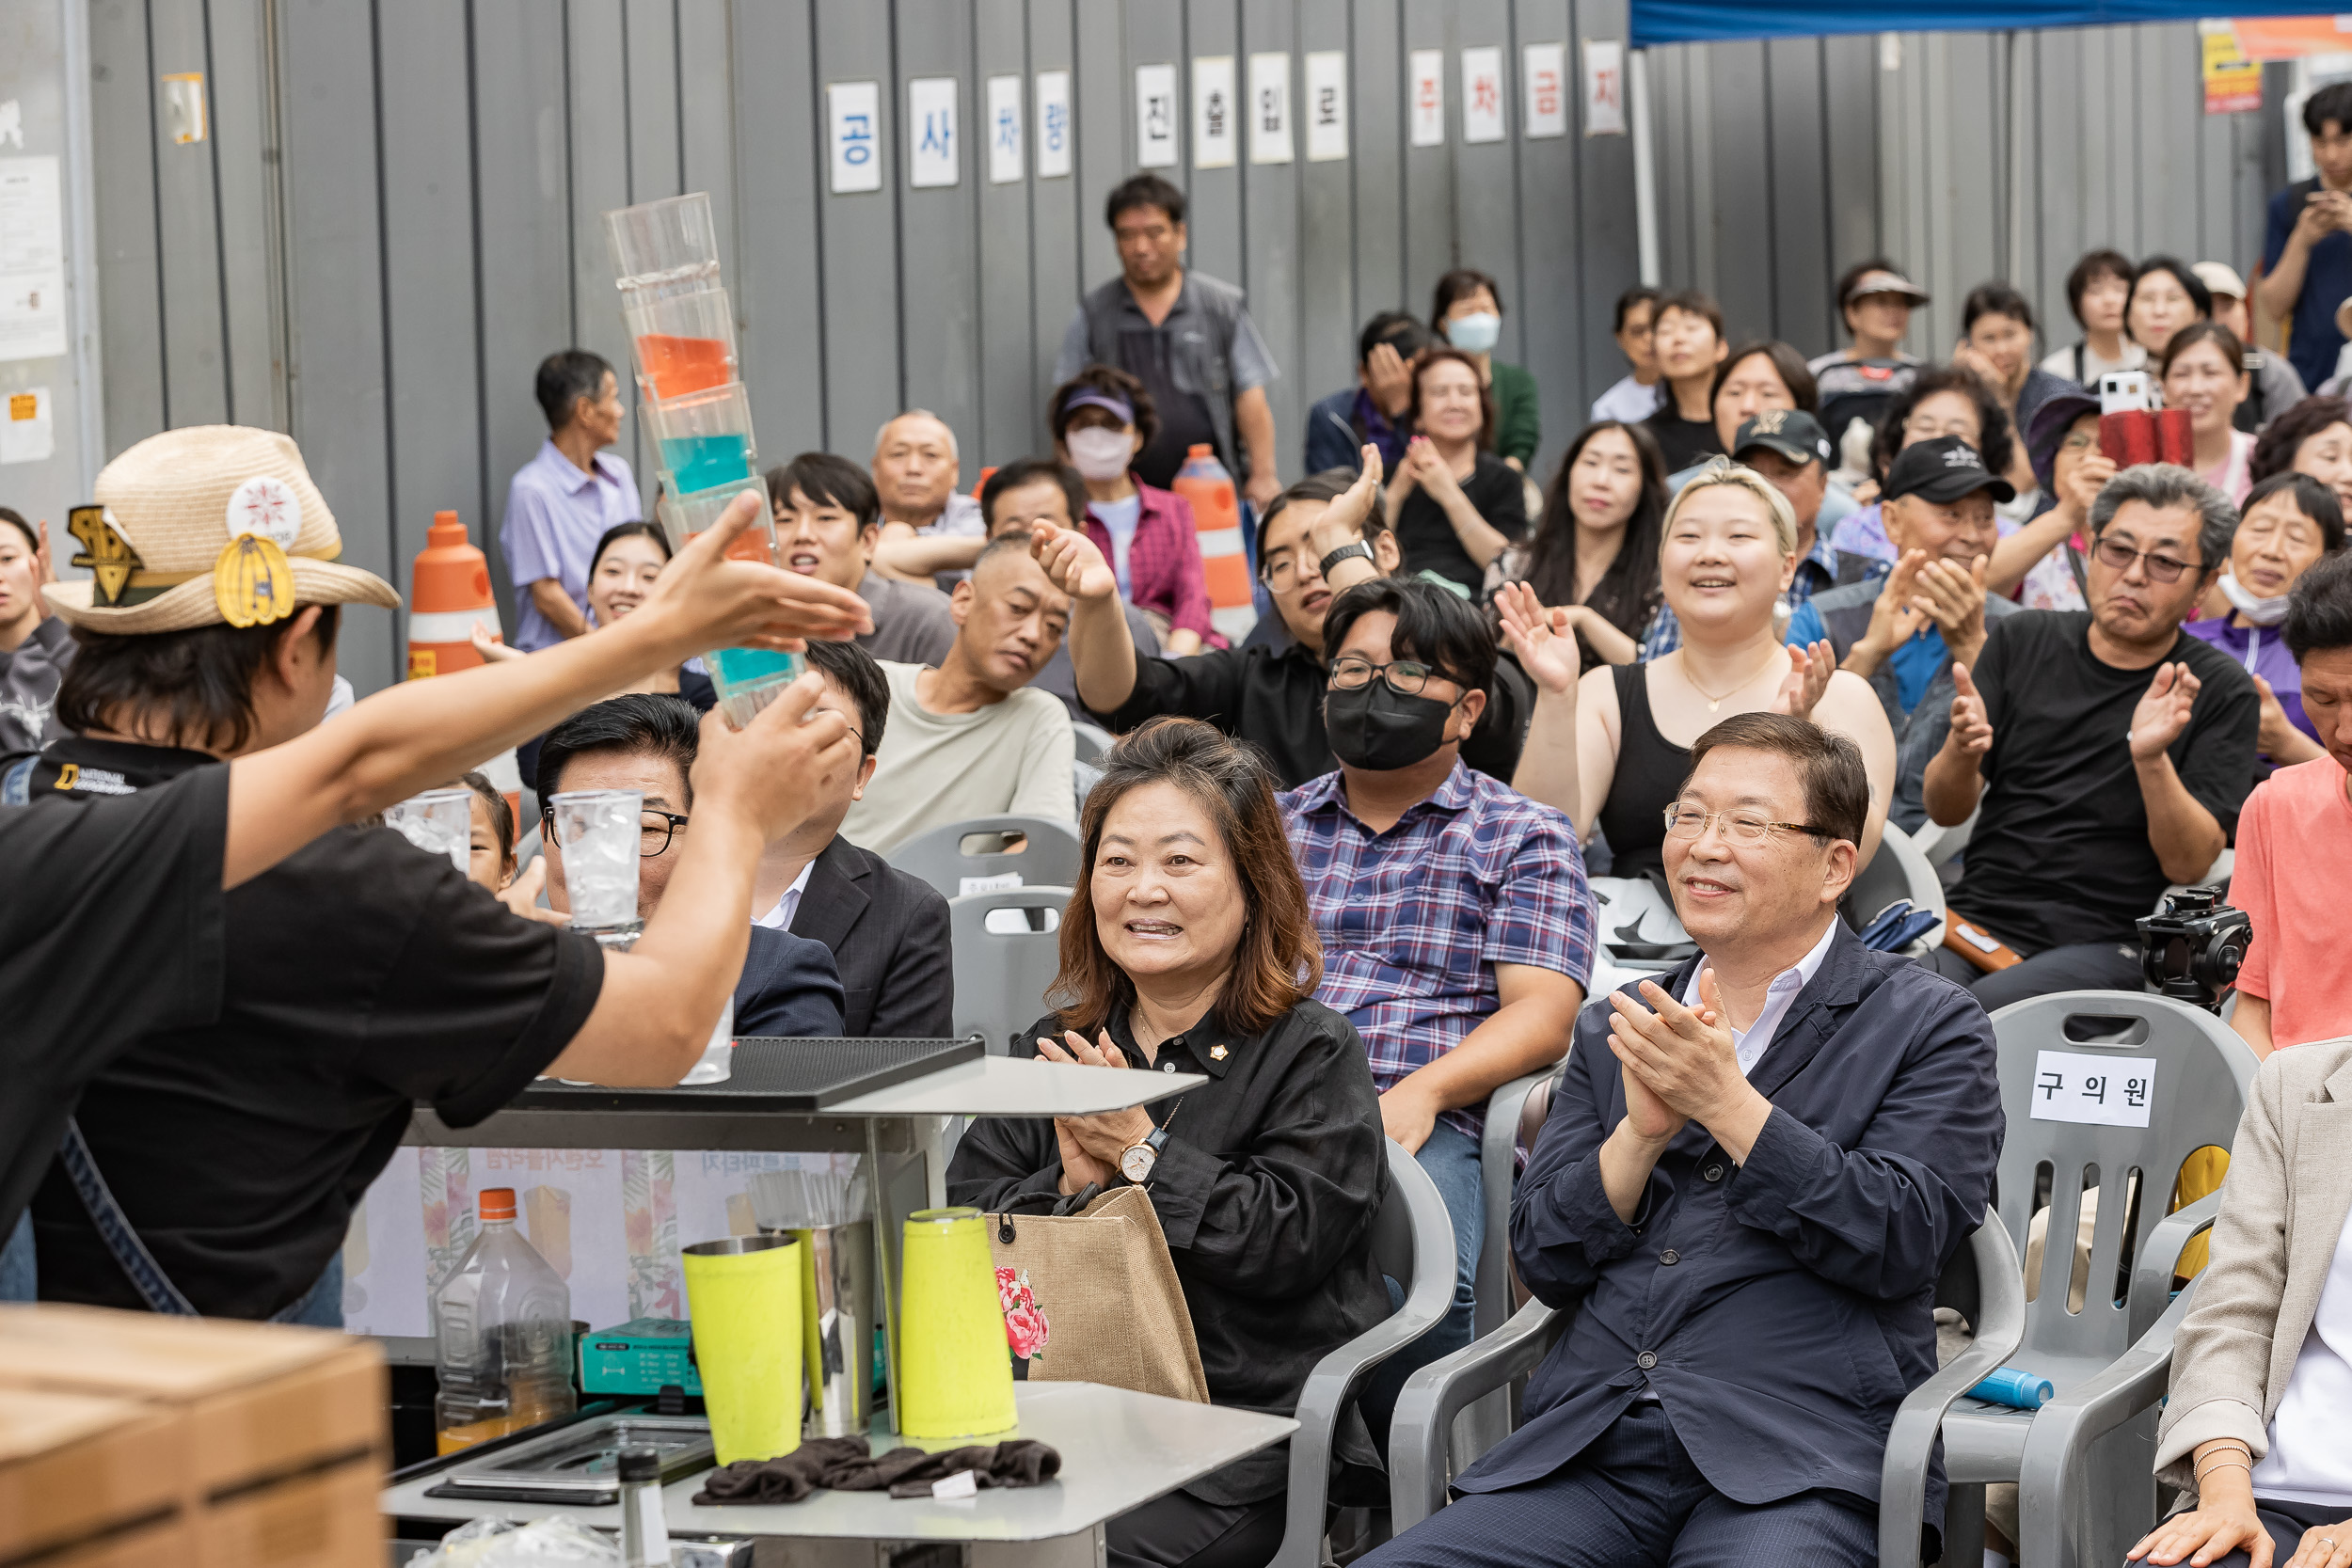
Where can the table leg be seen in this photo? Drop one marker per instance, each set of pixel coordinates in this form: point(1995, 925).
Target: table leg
point(878, 1185)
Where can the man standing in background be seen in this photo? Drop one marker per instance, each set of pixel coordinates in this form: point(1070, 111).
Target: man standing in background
point(1187, 336)
point(562, 501)
point(2307, 251)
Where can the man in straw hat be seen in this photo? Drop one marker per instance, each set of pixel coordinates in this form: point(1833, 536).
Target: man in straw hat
point(245, 1014)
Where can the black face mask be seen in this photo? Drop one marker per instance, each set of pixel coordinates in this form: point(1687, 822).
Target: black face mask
point(1375, 727)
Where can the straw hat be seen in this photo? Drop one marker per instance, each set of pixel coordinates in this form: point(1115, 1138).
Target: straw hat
point(210, 524)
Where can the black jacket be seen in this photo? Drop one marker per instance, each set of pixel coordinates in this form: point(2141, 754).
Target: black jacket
point(788, 989)
point(888, 932)
point(1781, 1309)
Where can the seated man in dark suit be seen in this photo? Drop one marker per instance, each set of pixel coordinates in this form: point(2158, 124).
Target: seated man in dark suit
point(647, 741)
point(1749, 1181)
point(887, 930)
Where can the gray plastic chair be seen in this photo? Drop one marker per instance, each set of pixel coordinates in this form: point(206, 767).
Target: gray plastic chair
point(1421, 1460)
point(1050, 859)
point(1939, 844)
point(1985, 1285)
point(1412, 1241)
point(1002, 976)
point(2203, 1073)
point(1094, 742)
point(1899, 870)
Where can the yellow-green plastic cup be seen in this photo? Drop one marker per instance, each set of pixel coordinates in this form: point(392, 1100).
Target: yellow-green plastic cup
point(955, 1369)
point(743, 1296)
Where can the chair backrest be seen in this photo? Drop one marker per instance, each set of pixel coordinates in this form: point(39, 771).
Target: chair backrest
point(1094, 742)
point(1048, 857)
point(1002, 976)
point(2133, 1058)
point(1397, 1245)
point(1939, 844)
point(1899, 870)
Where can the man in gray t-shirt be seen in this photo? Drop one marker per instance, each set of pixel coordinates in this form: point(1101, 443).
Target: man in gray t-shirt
point(828, 520)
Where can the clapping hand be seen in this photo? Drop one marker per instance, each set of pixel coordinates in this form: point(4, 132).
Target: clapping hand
point(2164, 712)
point(1072, 561)
point(1972, 732)
point(1090, 1146)
point(1683, 1059)
point(1342, 522)
point(1544, 639)
point(1421, 456)
point(1953, 598)
point(1894, 616)
point(1809, 670)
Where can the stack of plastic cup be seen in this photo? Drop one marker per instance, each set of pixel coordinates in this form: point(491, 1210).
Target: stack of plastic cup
point(682, 334)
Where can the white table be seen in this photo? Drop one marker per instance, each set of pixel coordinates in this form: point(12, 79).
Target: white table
point(1118, 1451)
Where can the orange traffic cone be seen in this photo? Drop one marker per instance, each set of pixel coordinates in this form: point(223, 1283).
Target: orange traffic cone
point(1216, 523)
point(449, 595)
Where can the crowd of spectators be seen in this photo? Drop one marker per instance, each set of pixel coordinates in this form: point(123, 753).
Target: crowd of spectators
point(1761, 612)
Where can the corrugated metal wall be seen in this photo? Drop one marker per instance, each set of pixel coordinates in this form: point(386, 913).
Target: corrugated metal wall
point(398, 214)
point(1964, 156)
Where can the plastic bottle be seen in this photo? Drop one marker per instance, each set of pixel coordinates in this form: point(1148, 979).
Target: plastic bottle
point(504, 1319)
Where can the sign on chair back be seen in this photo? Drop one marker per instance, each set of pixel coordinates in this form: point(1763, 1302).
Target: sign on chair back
point(1004, 966)
point(1047, 856)
point(2111, 1091)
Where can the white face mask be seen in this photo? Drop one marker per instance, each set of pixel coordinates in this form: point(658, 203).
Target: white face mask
point(1474, 334)
point(2262, 612)
point(1098, 455)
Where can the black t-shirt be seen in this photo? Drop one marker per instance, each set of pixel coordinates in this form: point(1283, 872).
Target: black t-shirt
point(2060, 851)
point(360, 975)
point(1683, 442)
point(1426, 537)
point(1184, 419)
point(110, 930)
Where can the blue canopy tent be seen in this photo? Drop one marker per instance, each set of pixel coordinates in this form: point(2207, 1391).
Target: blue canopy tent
point(1656, 22)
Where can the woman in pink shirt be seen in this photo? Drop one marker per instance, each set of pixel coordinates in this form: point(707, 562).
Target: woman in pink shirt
point(1102, 418)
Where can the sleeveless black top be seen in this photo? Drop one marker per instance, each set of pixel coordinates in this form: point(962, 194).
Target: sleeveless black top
point(1650, 770)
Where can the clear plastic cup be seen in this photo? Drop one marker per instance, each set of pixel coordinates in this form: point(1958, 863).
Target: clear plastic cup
point(684, 342)
point(706, 437)
point(717, 1063)
point(748, 679)
point(662, 246)
point(439, 821)
point(600, 833)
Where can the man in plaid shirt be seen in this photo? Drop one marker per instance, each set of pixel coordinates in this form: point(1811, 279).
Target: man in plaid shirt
point(1457, 929)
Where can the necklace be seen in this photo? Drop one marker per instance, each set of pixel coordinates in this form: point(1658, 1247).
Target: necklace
point(1714, 701)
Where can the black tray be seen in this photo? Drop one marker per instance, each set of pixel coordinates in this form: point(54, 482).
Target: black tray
point(772, 1074)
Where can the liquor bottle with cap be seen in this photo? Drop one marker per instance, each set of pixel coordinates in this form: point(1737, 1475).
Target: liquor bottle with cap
point(645, 1534)
point(503, 1320)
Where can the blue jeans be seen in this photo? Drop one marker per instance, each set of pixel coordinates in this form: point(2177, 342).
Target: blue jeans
point(1451, 1158)
point(320, 1306)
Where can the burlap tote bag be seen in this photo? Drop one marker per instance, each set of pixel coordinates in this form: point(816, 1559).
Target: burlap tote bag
point(1092, 1297)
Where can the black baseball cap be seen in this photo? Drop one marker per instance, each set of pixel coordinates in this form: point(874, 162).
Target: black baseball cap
point(1794, 434)
point(1943, 470)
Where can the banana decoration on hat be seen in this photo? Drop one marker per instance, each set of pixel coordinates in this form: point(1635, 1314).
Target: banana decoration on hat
point(252, 579)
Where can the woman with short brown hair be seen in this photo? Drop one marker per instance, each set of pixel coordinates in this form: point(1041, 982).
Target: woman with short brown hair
point(1190, 949)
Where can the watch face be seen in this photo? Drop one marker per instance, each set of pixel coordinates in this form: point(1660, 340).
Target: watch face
point(1136, 1162)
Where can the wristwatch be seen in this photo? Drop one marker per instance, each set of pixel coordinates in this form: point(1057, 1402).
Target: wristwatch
point(1357, 551)
point(1136, 1161)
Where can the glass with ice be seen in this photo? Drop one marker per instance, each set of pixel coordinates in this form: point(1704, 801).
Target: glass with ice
point(439, 823)
point(600, 832)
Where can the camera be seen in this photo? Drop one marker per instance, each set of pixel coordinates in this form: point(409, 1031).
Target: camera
point(2191, 949)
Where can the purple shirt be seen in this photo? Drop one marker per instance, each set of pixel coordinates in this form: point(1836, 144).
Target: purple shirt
point(2263, 650)
point(554, 516)
point(1414, 920)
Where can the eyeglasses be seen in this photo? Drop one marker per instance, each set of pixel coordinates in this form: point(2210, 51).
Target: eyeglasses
point(655, 829)
point(1281, 574)
point(1739, 827)
point(1405, 677)
point(2120, 556)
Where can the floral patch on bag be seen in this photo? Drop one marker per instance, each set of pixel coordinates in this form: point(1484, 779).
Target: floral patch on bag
point(1025, 1328)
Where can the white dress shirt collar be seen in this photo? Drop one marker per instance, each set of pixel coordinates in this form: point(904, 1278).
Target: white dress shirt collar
point(1750, 1043)
point(780, 918)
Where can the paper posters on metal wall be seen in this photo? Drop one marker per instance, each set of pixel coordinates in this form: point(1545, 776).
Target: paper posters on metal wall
point(1426, 78)
point(1327, 105)
point(27, 431)
point(32, 260)
point(1547, 90)
point(1270, 109)
point(853, 112)
point(1482, 95)
point(1053, 124)
point(1213, 111)
point(1156, 116)
point(1604, 87)
point(934, 155)
point(1005, 160)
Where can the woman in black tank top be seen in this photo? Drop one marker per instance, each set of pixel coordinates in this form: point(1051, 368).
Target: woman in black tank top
point(1650, 770)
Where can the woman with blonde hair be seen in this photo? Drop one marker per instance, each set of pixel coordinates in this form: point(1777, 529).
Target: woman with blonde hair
point(1612, 747)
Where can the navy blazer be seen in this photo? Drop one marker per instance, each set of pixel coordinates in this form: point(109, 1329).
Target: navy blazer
point(1783, 1308)
point(788, 987)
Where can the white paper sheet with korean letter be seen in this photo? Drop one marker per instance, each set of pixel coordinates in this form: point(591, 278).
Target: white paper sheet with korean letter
point(2102, 1090)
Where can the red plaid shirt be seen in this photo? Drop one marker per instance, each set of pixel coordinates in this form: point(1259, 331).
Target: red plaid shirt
point(1164, 563)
